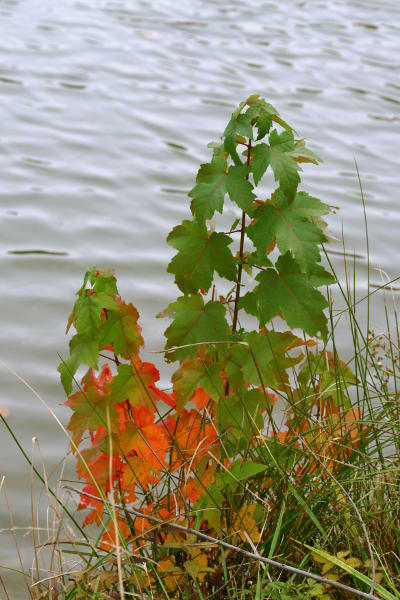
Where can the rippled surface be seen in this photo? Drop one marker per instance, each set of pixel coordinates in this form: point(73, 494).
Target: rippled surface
point(105, 112)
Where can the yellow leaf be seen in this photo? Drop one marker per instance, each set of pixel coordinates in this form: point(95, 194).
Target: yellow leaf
point(343, 554)
point(367, 563)
point(353, 562)
point(327, 565)
point(173, 575)
point(244, 522)
point(267, 483)
point(197, 567)
point(317, 590)
point(319, 559)
point(332, 576)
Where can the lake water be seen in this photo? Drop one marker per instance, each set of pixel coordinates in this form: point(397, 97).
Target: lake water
point(106, 108)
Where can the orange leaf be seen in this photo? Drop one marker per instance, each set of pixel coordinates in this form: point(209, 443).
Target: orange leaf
point(193, 437)
point(143, 438)
point(113, 533)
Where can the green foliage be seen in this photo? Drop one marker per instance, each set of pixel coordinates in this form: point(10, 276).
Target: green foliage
point(289, 220)
point(290, 225)
point(285, 290)
point(208, 251)
point(194, 323)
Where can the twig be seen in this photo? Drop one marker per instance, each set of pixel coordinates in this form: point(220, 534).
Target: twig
point(254, 555)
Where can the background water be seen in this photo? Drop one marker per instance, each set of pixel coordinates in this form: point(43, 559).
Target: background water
point(106, 108)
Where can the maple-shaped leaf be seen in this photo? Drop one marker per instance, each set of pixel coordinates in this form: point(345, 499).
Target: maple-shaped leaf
point(147, 441)
point(194, 323)
point(239, 125)
point(90, 412)
point(200, 253)
point(262, 360)
point(134, 383)
point(261, 114)
point(193, 374)
point(83, 351)
point(289, 224)
point(277, 155)
point(192, 438)
point(240, 190)
point(88, 309)
point(288, 292)
point(121, 329)
point(140, 472)
point(209, 192)
point(104, 282)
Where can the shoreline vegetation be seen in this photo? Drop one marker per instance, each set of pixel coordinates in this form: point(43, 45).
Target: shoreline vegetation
point(270, 467)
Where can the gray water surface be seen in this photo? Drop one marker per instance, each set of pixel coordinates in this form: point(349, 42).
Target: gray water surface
point(106, 108)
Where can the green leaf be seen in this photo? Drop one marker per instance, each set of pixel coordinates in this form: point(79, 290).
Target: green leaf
point(133, 384)
point(88, 311)
point(320, 277)
point(104, 282)
point(83, 351)
point(194, 323)
point(199, 255)
point(242, 416)
point(284, 166)
point(288, 291)
point(193, 374)
point(240, 471)
point(243, 470)
point(261, 161)
point(261, 114)
point(239, 124)
point(240, 190)
point(263, 360)
point(210, 189)
point(288, 224)
point(264, 123)
point(121, 329)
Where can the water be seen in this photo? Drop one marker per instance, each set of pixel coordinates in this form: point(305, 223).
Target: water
point(105, 111)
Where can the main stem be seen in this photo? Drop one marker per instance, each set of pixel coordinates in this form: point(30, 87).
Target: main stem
point(240, 270)
point(239, 279)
